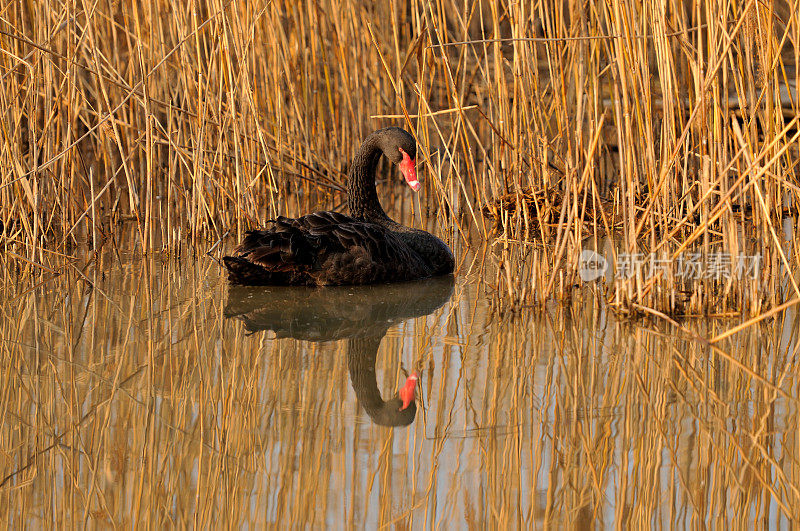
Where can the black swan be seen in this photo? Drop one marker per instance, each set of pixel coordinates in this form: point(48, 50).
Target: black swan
point(361, 315)
point(329, 248)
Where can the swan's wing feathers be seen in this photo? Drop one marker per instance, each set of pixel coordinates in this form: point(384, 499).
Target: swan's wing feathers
point(253, 239)
point(317, 220)
point(321, 220)
point(369, 253)
point(280, 224)
point(338, 217)
point(328, 248)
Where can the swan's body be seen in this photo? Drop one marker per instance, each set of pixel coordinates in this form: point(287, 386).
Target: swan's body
point(329, 248)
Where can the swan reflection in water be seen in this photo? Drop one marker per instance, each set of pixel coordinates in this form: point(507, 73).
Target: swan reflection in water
point(360, 314)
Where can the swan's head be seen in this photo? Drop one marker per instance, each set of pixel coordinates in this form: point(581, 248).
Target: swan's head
point(407, 391)
point(400, 148)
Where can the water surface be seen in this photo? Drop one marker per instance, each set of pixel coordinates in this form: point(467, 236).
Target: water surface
point(148, 391)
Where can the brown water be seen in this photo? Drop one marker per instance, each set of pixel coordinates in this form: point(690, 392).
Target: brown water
point(146, 391)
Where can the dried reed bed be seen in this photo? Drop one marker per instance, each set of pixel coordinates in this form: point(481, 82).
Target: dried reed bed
point(126, 398)
point(674, 124)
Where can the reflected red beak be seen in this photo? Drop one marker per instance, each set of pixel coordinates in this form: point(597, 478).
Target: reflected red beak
point(407, 391)
point(409, 168)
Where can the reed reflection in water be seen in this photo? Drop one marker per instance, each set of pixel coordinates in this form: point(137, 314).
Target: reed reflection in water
point(131, 396)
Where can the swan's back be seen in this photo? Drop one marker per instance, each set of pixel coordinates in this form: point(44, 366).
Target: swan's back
point(325, 249)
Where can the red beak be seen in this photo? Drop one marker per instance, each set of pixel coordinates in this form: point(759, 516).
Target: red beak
point(409, 168)
point(407, 391)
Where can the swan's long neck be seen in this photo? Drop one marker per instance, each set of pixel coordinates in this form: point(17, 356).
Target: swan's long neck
point(362, 198)
point(362, 201)
point(361, 354)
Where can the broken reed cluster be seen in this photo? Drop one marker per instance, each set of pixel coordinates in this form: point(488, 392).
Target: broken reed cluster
point(545, 127)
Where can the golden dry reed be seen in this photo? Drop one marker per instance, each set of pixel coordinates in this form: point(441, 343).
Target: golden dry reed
point(128, 400)
point(669, 127)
